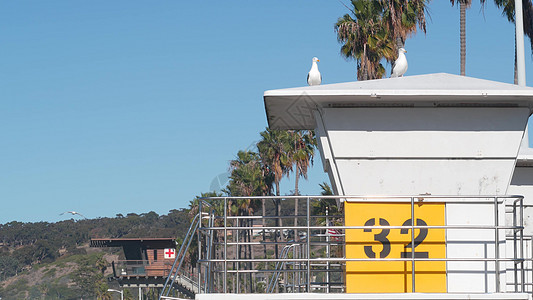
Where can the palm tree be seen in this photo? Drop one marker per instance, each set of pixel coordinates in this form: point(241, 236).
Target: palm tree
point(402, 18)
point(192, 252)
point(508, 10)
point(273, 151)
point(365, 38)
point(246, 179)
point(301, 155)
point(193, 204)
point(376, 30)
point(101, 290)
point(463, 5)
point(320, 206)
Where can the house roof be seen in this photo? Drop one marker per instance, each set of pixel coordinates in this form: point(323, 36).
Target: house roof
point(151, 243)
point(293, 108)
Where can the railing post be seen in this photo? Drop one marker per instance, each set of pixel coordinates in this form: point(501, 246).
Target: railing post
point(413, 245)
point(225, 287)
point(199, 235)
point(308, 246)
point(238, 256)
point(522, 245)
point(497, 246)
point(515, 250)
point(328, 249)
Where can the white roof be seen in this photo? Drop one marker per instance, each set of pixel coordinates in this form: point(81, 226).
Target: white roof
point(292, 108)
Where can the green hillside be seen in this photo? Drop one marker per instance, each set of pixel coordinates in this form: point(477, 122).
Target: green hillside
point(53, 260)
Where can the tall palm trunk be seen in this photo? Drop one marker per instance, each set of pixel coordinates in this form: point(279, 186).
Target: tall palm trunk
point(462, 8)
point(364, 65)
point(400, 43)
point(297, 181)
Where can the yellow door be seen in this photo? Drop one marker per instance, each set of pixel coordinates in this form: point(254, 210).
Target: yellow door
point(379, 243)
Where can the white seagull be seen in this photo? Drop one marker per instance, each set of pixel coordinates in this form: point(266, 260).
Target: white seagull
point(314, 77)
point(73, 213)
point(400, 65)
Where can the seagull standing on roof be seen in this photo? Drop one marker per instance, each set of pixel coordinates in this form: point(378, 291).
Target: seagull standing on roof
point(314, 77)
point(400, 65)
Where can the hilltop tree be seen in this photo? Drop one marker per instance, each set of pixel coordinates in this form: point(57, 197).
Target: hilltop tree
point(9, 266)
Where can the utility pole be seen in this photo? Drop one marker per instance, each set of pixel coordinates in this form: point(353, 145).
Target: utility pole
point(519, 31)
point(520, 58)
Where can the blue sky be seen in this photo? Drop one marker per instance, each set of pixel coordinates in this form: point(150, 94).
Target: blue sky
point(114, 107)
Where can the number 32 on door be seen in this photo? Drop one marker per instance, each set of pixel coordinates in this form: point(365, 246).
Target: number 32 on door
point(375, 243)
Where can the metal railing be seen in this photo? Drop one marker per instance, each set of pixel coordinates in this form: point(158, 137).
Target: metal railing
point(174, 275)
point(158, 268)
point(234, 258)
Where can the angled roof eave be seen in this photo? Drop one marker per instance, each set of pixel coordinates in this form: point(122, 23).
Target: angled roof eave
point(292, 108)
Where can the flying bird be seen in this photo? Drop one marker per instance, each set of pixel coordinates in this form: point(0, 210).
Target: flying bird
point(314, 77)
point(73, 213)
point(400, 65)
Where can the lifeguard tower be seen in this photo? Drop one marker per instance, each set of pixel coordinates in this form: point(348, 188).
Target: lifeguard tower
point(147, 262)
point(423, 167)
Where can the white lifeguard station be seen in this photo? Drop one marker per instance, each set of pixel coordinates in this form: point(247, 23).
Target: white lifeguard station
point(450, 140)
point(430, 176)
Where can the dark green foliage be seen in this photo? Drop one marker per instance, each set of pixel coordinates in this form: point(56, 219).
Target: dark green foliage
point(128, 295)
point(375, 30)
point(27, 246)
point(48, 238)
point(61, 291)
point(247, 175)
point(365, 38)
point(17, 290)
point(87, 277)
point(9, 266)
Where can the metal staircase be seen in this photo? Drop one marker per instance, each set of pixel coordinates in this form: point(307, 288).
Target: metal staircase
point(188, 286)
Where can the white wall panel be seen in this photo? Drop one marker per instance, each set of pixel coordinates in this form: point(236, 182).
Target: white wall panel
point(473, 243)
point(419, 176)
point(425, 132)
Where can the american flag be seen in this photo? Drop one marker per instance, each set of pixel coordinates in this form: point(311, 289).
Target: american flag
point(332, 232)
